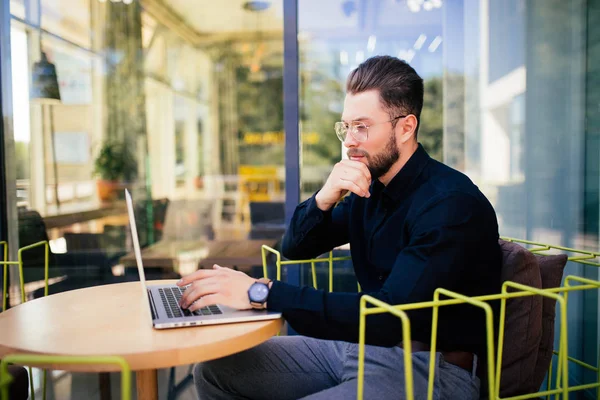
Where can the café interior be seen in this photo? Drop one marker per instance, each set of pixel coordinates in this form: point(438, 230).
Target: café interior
point(218, 117)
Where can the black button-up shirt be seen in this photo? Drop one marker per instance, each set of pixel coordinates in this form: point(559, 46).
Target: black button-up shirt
point(430, 227)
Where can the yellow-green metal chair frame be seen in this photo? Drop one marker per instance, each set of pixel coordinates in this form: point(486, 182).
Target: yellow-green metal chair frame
point(560, 294)
point(5, 382)
point(5, 263)
point(42, 360)
point(279, 263)
point(584, 257)
point(494, 371)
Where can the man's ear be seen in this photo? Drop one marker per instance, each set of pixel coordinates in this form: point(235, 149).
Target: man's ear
point(407, 128)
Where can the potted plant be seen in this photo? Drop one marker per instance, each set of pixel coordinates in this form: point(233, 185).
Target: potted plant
point(116, 166)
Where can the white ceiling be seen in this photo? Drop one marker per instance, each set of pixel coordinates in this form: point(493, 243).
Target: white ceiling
point(222, 16)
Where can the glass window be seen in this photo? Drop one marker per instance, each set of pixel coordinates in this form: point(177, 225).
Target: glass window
point(511, 99)
point(333, 41)
point(182, 105)
point(17, 8)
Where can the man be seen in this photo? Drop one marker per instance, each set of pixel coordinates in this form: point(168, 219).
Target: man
point(413, 225)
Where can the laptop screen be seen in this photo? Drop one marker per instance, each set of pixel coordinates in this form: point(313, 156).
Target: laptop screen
point(135, 240)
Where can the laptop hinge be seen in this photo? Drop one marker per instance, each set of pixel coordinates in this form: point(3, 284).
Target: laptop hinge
point(152, 306)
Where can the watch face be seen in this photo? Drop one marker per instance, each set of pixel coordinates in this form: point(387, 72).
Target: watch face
point(258, 292)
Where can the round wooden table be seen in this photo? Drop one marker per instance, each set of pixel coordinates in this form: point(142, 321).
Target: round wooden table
point(115, 320)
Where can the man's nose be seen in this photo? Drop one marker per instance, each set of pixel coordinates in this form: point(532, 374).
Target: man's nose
point(350, 141)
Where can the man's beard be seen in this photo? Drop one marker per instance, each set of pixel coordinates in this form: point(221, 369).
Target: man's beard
point(380, 163)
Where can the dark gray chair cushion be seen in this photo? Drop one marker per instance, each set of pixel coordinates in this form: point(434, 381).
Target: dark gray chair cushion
point(551, 269)
point(523, 327)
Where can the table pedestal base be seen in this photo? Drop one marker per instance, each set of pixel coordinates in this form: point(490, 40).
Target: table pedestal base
point(147, 384)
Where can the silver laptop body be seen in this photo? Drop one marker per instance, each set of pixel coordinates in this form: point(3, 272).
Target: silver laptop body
point(164, 299)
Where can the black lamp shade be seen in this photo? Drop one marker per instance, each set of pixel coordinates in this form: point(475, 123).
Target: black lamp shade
point(44, 85)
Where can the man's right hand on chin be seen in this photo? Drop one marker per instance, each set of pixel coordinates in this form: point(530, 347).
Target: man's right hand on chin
point(346, 176)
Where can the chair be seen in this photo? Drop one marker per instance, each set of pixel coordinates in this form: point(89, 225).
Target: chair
point(330, 258)
point(527, 325)
point(150, 226)
point(19, 376)
point(187, 223)
point(523, 321)
point(17, 379)
point(20, 373)
point(267, 220)
point(46, 361)
point(16, 382)
point(188, 219)
point(531, 357)
point(528, 321)
point(84, 267)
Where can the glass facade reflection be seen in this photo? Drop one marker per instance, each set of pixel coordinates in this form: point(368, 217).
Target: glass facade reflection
point(511, 97)
point(185, 106)
point(181, 105)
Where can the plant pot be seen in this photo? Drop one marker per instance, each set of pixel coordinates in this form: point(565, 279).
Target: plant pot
point(107, 190)
point(199, 182)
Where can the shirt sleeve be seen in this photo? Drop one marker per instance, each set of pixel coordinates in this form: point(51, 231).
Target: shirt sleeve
point(436, 255)
point(313, 232)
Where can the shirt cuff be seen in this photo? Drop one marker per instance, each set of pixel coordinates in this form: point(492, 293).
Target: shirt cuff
point(281, 296)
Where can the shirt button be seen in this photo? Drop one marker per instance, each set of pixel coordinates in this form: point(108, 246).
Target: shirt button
point(380, 277)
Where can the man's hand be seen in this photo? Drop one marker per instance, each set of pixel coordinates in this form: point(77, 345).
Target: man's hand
point(216, 286)
point(347, 175)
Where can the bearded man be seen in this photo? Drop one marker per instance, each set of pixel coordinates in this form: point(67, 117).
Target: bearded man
point(413, 224)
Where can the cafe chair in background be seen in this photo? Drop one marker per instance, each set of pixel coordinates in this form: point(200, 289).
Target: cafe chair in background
point(17, 379)
point(88, 363)
point(267, 220)
point(85, 267)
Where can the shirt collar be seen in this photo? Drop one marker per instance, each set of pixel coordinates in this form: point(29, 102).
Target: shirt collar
point(405, 177)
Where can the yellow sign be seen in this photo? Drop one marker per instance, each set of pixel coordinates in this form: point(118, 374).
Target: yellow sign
point(277, 137)
point(259, 182)
point(262, 171)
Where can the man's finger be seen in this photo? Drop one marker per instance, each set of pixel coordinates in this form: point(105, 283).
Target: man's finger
point(355, 175)
point(208, 300)
point(359, 166)
point(354, 188)
point(188, 297)
point(194, 276)
point(359, 180)
point(196, 292)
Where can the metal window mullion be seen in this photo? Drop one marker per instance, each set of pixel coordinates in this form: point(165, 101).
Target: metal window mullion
point(291, 118)
point(8, 192)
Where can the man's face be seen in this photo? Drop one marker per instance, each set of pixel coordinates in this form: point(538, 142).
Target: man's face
point(380, 151)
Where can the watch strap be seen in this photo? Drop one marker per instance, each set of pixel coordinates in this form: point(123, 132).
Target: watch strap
point(266, 281)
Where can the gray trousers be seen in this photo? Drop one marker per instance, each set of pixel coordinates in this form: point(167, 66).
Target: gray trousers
point(294, 367)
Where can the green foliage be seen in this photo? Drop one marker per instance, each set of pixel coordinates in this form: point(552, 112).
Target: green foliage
point(260, 109)
point(22, 156)
point(321, 109)
point(116, 162)
point(431, 131)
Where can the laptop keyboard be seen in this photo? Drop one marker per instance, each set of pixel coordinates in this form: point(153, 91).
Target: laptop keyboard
point(170, 297)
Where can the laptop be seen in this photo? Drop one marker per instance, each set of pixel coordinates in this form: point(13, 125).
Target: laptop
point(163, 300)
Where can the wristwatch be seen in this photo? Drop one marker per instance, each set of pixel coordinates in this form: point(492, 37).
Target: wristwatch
point(258, 293)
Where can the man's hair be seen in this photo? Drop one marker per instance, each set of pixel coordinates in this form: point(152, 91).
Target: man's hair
point(400, 87)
